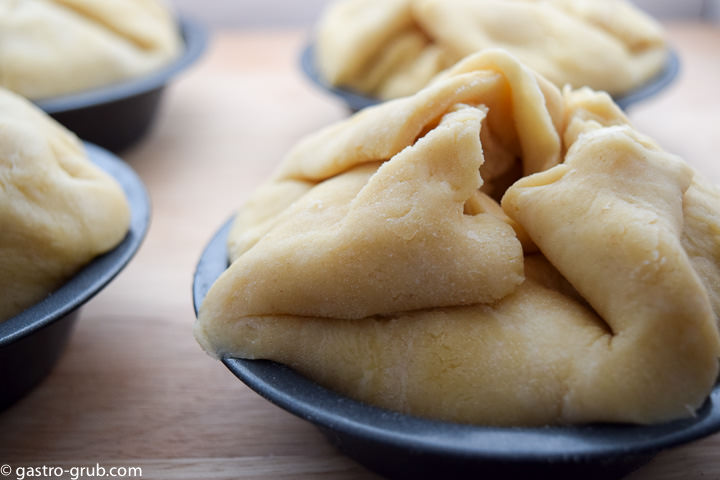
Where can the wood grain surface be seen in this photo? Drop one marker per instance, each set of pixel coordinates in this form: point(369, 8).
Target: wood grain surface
point(134, 389)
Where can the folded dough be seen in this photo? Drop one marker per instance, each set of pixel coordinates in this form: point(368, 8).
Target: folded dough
point(374, 262)
point(392, 48)
point(57, 210)
point(54, 47)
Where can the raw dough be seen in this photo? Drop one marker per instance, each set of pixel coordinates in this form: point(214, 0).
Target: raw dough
point(57, 209)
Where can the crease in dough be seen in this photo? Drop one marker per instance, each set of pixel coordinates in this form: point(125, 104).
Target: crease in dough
point(635, 272)
point(492, 79)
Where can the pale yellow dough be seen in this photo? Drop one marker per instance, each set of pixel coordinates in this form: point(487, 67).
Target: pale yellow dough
point(54, 47)
point(57, 209)
point(392, 48)
point(377, 262)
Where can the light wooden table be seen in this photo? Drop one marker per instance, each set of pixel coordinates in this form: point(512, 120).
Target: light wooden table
point(134, 389)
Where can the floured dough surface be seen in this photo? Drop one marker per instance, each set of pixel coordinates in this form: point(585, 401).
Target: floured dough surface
point(490, 250)
point(57, 209)
point(54, 47)
point(393, 48)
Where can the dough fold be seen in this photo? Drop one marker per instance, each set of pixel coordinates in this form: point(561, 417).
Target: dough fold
point(635, 273)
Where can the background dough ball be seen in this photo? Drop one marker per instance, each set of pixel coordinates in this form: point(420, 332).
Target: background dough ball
point(54, 47)
point(389, 49)
point(57, 210)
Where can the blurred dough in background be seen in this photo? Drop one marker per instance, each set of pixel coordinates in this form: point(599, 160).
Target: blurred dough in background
point(55, 47)
point(392, 48)
point(57, 209)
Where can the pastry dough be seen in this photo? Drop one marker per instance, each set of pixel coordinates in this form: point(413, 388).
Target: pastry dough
point(54, 47)
point(57, 210)
point(392, 48)
point(374, 261)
